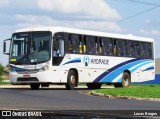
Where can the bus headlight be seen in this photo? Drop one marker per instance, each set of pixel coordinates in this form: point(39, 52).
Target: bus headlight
point(44, 68)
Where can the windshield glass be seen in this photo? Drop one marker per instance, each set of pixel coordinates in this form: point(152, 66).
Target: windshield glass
point(30, 47)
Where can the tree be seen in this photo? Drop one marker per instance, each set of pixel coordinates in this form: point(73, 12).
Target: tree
point(1, 70)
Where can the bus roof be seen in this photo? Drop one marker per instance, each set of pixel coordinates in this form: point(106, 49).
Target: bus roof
point(55, 29)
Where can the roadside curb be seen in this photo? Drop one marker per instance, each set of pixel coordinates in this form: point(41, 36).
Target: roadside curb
point(124, 97)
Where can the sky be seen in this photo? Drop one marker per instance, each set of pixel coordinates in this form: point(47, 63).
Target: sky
point(137, 17)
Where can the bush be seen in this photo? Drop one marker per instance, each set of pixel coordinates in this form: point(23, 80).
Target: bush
point(1, 71)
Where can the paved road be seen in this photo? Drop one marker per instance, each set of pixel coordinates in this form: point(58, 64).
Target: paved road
point(61, 99)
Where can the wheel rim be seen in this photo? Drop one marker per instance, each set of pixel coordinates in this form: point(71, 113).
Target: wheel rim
point(126, 81)
point(72, 80)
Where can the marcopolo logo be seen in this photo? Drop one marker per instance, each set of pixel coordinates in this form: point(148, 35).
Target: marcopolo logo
point(87, 61)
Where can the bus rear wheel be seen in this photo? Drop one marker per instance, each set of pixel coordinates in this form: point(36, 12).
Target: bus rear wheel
point(94, 85)
point(126, 80)
point(71, 80)
point(34, 86)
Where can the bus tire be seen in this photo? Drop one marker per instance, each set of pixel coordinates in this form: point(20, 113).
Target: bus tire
point(94, 85)
point(34, 86)
point(71, 80)
point(126, 80)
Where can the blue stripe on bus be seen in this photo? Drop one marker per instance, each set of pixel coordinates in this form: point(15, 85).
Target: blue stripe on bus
point(152, 67)
point(111, 74)
point(149, 68)
point(77, 60)
point(16, 68)
point(118, 71)
point(112, 69)
point(140, 65)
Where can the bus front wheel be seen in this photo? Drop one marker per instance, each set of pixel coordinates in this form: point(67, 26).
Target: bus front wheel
point(71, 80)
point(34, 86)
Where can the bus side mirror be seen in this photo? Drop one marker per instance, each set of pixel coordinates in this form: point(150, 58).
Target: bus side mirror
point(5, 46)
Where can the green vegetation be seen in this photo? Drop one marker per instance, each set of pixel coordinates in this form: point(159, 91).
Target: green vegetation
point(142, 91)
point(3, 75)
point(4, 83)
point(1, 71)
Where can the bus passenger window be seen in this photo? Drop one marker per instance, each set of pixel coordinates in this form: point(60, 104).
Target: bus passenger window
point(80, 45)
point(129, 48)
point(70, 46)
point(142, 50)
point(146, 50)
point(124, 48)
point(115, 47)
point(96, 46)
point(137, 50)
point(149, 50)
point(84, 45)
point(120, 47)
point(89, 45)
point(107, 46)
point(100, 46)
point(75, 43)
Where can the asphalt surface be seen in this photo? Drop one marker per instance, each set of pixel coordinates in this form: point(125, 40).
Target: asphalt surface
point(59, 98)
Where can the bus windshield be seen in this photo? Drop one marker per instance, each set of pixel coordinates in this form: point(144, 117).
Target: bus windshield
point(30, 47)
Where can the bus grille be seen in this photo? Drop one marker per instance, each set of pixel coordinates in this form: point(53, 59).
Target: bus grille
point(31, 79)
point(27, 71)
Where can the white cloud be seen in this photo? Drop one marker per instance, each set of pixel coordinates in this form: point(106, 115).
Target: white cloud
point(31, 20)
point(3, 2)
point(150, 32)
point(96, 8)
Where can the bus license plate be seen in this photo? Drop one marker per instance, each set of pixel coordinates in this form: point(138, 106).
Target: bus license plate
point(26, 75)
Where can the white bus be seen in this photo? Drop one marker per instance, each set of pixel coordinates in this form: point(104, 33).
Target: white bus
point(57, 55)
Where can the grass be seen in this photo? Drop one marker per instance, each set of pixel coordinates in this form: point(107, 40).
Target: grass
point(142, 91)
point(3, 77)
point(4, 83)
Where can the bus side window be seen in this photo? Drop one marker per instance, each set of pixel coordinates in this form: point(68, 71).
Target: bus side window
point(115, 47)
point(89, 45)
point(96, 46)
point(137, 49)
point(146, 50)
point(100, 47)
point(70, 45)
point(129, 48)
point(149, 48)
point(142, 50)
point(84, 45)
point(107, 46)
point(132, 49)
point(124, 48)
point(119, 47)
point(80, 45)
point(73, 43)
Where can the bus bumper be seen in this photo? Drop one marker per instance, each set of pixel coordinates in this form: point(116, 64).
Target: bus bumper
point(39, 77)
